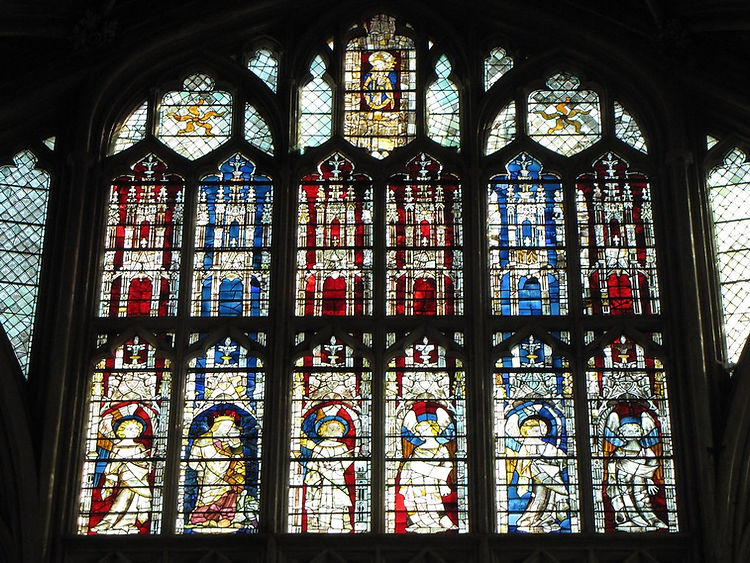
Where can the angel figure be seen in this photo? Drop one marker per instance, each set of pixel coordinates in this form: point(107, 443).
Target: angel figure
point(633, 470)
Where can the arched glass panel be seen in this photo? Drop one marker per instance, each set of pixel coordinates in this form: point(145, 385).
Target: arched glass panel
point(425, 450)
point(265, 65)
point(628, 130)
point(126, 441)
point(631, 437)
point(380, 88)
point(334, 241)
point(316, 107)
point(535, 439)
point(257, 132)
point(24, 191)
point(425, 240)
point(131, 130)
point(729, 193)
point(616, 236)
point(526, 235)
point(503, 129)
point(197, 119)
point(141, 269)
point(329, 477)
point(233, 242)
point(443, 119)
point(564, 118)
point(221, 440)
point(495, 66)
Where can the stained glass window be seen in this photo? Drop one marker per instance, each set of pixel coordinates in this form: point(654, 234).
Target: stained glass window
point(711, 142)
point(23, 216)
point(380, 88)
point(141, 268)
point(424, 240)
point(126, 441)
point(131, 130)
point(221, 439)
point(50, 143)
point(232, 242)
point(257, 132)
point(316, 106)
point(526, 240)
point(729, 193)
point(334, 241)
point(631, 439)
point(535, 448)
point(425, 451)
point(329, 478)
point(564, 118)
point(616, 237)
point(495, 66)
point(627, 129)
point(503, 129)
point(443, 123)
point(265, 65)
point(197, 119)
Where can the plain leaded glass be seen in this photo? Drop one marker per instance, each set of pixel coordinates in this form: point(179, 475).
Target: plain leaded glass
point(257, 132)
point(24, 191)
point(503, 129)
point(131, 130)
point(495, 66)
point(443, 123)
point(265, 65)
point(627, 129)
point(316, 105)
point(729, 193)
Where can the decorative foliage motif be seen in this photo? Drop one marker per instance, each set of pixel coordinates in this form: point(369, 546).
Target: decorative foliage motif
point(265, 65)
point(380, 88)
point(329, 478)
point(425, 465)
point(131, 130)
point(126, 442)
point(221, 436)
point(563, 118)
point(627, 129)
point(233, 240)
point(495, 66)
point(729, 192)
point(424, 241)
point(24, 190)
point(334, 241)
point(443, 119)
point(197, 119)
point(316, 107)
point(618, 254)
point(503, 130)
point(142, 248)
point(535, 440)
point(632, 464)
point(526, 241)
point(257, 132)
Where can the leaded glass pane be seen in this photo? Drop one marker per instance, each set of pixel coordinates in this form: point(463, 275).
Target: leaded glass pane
point(221, 441)
point(195, 120)
point(526, 239)
point(316, 105)
point(24, 191)
point(126, 442)
point(265, 65)
point(141, 268)
point(334, 241)
point(424, 241)
point(627, 129)
point(50, 143)
point(233, 242)
point(443, 124)
point(729, 193)
point(495, 66)
point(535, 448)
point(564, 118)
point(425, 449)
point(329, 476)
point(503, 129)
point(257, 132)
point(711, 142)
point(631, 440)
point(131, 130)
point(380, 88)
point(616, 237)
